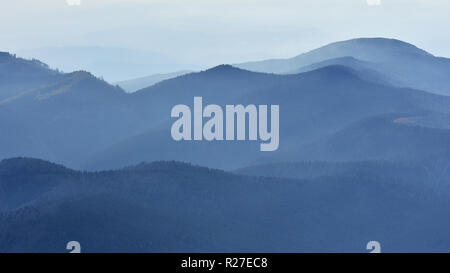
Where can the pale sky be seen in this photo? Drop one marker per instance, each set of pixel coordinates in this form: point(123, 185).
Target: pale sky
point(207, 32)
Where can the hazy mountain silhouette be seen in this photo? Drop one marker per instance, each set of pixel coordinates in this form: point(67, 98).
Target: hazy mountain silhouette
point(71, 117)
point(366, 49)
point(111, 63)
point(173, 207)
point(107, 128)
point(361, 157)
point(82, 121)
point(365, 70)
point(19, 75)
point(136, 84)
point(401, 62)
point(314, 105)
point(377, 138)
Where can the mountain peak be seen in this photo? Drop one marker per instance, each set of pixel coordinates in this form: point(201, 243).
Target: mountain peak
point(381, 44)
point(222, 68)
point(5, 55)
point(81, 75)
point(365, 49)
point(377, 50)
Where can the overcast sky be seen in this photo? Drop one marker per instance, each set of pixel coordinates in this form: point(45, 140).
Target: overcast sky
point(221, 31)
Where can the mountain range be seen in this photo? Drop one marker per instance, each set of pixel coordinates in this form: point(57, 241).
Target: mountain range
point(364, 153)
point(108, 128)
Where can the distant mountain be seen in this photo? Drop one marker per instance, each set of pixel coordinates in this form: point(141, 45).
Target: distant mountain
point(402, 63)
point(173, 207)
point(79, 85)
point(313, 105)
point(19, 75)
point(133, 85)
point(82, 121)
point(365, 70)
point(92, 115)
point(365, 49)
point(220, 84)
point(111, 63)
point(223, 81)
point(399, 141)
point(394, 138)
point(71, 117)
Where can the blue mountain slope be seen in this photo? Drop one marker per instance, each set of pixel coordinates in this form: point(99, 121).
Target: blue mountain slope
point(70, 117)
point(412, 172)
point(19, 75)
point(23, 180)
point(366, 70)
point(172, 207)
point(394, 137)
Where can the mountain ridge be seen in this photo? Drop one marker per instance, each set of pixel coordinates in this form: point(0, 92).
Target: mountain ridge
point(136, 84)
point(18, 75)
point(401, 63)
point(331, 47)
point(199, 209)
